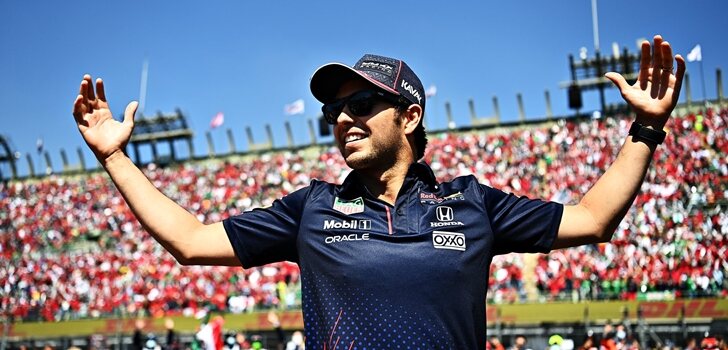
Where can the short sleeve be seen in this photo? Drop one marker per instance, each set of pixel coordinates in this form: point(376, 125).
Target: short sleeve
point(520, 224)
point(267, 235)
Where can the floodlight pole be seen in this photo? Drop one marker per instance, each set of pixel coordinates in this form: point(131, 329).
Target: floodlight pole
point(702, 80)
point(143, 86)
point(595, 24)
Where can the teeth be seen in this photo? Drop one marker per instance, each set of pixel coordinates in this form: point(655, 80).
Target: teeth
point(350, 138)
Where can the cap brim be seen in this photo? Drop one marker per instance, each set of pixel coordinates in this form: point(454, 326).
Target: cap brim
point(327, 79)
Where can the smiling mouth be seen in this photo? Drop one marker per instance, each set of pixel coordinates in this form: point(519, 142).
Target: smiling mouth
point(354, 137)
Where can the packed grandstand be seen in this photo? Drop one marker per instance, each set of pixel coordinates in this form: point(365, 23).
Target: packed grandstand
point(75, 249)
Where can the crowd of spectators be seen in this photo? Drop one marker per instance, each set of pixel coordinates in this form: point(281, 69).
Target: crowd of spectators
point(75, 249)
point(674, 240)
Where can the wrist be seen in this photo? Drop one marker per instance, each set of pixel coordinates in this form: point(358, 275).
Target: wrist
point(114, 158)
point(646, 133)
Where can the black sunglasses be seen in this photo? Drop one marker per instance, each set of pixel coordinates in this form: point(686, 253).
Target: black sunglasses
point(360, 104)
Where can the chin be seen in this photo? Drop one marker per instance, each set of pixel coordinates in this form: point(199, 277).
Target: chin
point(360, 161)
point(356, 162)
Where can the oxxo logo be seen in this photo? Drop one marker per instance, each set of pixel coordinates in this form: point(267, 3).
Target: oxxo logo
point(349, 224)
point(448, 240)
point(446, 217)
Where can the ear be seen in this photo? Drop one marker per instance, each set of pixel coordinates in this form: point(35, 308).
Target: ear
point(411, 118)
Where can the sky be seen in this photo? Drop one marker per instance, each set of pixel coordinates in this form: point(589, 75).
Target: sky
point(249, 59)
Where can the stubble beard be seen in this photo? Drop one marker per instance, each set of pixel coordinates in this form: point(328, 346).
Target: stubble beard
point(379, 156)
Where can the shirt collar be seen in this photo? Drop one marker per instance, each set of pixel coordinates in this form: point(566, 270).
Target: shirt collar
point(417, 172)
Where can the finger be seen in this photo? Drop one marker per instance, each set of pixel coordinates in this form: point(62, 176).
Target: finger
point(666, 53)
point(679, 75)
point(82, 86)
point(89, 87)
point(618, 80)
point(665, 69)
point(656, 51)
point(102, 94)
point(79, 109)
point(83, 89)
point(656, 66)
point(645, 62)
point(129, 113)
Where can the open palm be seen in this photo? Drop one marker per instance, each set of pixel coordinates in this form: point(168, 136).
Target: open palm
point(657, 89)
point(104, 135)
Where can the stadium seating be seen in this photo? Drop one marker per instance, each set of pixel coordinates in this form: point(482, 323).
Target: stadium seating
point(76, 250)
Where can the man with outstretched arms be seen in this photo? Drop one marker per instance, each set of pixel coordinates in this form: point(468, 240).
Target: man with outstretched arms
point(391, 257)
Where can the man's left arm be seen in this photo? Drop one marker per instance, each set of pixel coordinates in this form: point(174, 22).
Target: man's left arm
point(652, 97)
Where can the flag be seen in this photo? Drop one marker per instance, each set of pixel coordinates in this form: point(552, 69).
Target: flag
point(217, 120)
point(39, 145)
point(210, 334)
point(431, 91)
point(695, 54)
point(295, 107)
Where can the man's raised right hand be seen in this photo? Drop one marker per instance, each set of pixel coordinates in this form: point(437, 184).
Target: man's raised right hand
point(105, 136)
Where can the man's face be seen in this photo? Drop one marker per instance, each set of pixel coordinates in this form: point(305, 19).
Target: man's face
point(520, 342)
point(374, 141)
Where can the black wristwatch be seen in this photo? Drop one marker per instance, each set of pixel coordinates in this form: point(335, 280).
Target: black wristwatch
point(641, 132)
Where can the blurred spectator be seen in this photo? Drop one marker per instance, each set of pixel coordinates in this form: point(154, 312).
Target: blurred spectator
point(709, 343)
point(231, 342)
point(97, 342)
point(296, 342)
point(137, 339)
point(555, 342)
point(520, 343)
point(589, 344)
point(172, 339)
point(495, 343)
point(691, 344)
point(151, 343)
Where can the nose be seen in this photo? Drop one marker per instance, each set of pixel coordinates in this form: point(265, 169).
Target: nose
point(344, 118)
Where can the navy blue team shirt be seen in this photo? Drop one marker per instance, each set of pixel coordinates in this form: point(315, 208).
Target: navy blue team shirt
point(409, 276)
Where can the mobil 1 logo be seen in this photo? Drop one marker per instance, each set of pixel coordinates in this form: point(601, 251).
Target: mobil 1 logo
point(348, 224)
point(448, 240)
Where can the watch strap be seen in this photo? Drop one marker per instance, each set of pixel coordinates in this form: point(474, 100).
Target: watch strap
point(639, 131)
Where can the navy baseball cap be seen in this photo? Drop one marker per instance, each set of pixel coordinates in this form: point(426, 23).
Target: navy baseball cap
point(389, 74)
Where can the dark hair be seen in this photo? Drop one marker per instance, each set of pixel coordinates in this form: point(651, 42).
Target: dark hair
point(420, 133)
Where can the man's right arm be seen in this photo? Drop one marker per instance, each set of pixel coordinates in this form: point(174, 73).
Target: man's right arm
point(189, 240)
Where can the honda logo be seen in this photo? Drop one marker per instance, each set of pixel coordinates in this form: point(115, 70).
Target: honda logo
point(445, 214)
